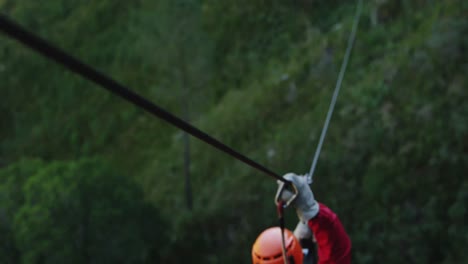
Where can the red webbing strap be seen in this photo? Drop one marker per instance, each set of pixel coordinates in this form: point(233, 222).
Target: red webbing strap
point(280, 210)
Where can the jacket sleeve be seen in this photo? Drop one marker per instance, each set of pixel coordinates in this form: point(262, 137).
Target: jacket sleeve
point(334, 245)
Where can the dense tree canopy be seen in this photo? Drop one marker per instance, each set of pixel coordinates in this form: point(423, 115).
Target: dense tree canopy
point(258, 76)
point(76, 212)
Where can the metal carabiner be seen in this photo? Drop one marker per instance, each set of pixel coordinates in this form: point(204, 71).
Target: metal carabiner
point(285, 192)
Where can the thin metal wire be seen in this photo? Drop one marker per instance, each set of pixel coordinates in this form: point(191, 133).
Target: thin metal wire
point(337, 90)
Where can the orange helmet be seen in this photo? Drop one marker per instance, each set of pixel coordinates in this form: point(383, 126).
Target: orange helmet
point(267, 248)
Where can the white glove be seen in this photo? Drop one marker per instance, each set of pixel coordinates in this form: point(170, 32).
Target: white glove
point(305, 204)
point(302, 231)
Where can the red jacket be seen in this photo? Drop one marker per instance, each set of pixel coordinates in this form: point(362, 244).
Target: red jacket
point(334, 245)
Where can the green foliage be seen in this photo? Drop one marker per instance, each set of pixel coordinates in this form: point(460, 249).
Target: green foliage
point(258, 76)
point(77, 212)
point(12, 198)
point(249, 33)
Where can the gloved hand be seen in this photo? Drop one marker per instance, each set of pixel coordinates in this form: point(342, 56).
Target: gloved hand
point(305, 204)
point(302, 231)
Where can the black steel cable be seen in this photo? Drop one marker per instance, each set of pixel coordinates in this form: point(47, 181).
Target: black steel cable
point(43, 47)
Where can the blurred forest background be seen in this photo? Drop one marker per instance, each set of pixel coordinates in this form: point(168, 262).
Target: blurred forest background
point(88, 178)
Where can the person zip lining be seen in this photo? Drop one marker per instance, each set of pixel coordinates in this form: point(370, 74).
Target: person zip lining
point(273, 246)
point(316, 222)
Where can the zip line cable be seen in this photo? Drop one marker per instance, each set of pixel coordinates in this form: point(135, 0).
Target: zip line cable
point(351, 40)
point(40, 45)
